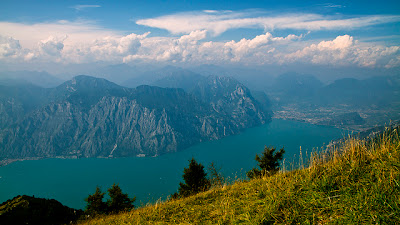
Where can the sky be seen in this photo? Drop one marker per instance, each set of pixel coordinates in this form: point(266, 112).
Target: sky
point(335, 34)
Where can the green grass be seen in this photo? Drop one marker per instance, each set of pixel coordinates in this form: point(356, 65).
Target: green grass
point(358, 183)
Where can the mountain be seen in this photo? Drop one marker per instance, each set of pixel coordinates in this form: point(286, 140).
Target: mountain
point(42, 79)
point(18, 99)
point(254, 79)
point(92, 117)
point(148, 77)
point(184, 79)
point(291, 87)
point(225, 94)
point(378, 91)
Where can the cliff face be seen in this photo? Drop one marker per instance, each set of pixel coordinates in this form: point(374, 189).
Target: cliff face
point(90, 117)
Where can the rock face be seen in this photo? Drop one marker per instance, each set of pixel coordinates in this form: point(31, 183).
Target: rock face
point(91, 117)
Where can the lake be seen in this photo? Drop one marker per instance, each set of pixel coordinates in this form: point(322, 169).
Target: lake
point(70, 181)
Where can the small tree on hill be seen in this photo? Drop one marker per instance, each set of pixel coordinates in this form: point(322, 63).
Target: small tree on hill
point(119, 201)
point(268, 163)
point(216, 178)
point(95, 204)
point(195, 179)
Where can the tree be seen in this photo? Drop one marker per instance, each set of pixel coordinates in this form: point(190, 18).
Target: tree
point(95, 204)
point(195, 179)
point(268, 162)
point(119, 201)
point(216, 178)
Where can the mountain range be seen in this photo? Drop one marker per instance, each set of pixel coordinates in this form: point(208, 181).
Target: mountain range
point(93, 117)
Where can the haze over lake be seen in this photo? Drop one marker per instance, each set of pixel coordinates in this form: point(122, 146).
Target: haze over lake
point(150, 178)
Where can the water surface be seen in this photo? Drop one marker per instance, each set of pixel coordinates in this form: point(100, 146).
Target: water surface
point(71, 180)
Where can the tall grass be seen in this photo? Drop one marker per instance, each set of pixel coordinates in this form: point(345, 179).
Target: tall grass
point(356, 183)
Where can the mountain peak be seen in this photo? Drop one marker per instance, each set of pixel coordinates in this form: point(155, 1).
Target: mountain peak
point(84, 83)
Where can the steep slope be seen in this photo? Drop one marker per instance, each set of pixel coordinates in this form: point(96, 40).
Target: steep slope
point(30, 210)
point(226, 95)
point(92, 117)
point(17, 99)
point(357, 184)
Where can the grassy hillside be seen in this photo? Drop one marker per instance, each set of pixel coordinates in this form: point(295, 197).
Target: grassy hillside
point(356, 184)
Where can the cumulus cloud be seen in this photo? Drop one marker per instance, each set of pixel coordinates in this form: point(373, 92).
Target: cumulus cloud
point(109, 49)
point(221, 21)
point(52, 45)
point(9, 47)
point(73, 42)
point(343, 50)
point(192, 48)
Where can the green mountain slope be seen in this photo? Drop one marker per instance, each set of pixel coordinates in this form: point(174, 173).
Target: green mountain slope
point(356, 184)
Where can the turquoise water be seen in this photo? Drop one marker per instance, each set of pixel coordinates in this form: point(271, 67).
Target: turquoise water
point(71, 180)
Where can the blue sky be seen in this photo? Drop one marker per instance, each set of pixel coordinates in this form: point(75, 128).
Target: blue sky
point(333, 33)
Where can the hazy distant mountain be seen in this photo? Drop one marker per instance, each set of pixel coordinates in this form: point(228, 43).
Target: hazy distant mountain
point(42, 79)
point(292, 86)
point(148, 77)
point(252, 78)
point(92, 117)
point(184, 79)
point(375, 91)
point(118, 73)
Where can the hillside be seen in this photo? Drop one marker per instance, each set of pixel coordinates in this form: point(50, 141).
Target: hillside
point(356, 184)
point(30, 210)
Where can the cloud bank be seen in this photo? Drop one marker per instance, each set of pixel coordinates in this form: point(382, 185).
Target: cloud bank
point(79, 42)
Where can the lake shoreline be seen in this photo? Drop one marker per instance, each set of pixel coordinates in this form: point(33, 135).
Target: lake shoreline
point(6, 162)
point(70, 181)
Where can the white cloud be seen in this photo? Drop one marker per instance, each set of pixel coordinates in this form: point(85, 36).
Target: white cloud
point(221, 21)
point(52, 46)
point(83, 42)
point(9, 47)
point(82, 7)
point(343, 50)
point(78, 32)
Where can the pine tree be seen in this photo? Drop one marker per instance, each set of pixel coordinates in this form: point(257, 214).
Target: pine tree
point(119, 201)
point(95, 204)
point(268, 162)
point(195, 179)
